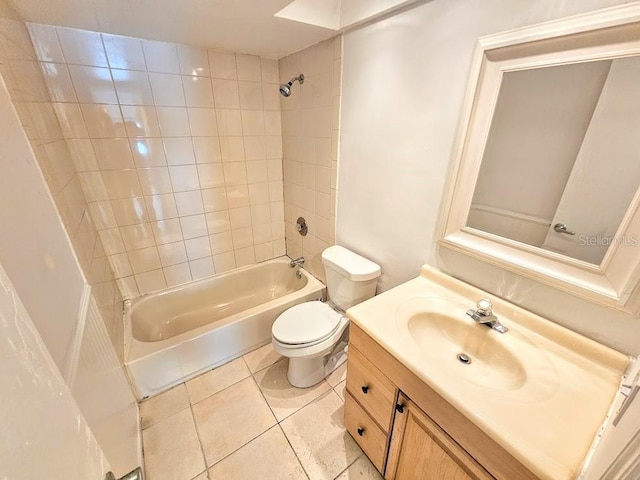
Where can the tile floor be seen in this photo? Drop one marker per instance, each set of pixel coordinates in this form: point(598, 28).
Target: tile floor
point(244, 421)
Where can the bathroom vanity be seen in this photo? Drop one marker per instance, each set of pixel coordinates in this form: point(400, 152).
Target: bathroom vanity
point(526, 404)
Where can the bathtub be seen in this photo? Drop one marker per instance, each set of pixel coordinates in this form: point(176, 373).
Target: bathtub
point(176, 334)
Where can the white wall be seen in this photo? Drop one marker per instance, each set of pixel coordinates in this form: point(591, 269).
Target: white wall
point(404, 80)
point(44, 433)
point(39, 259)
point(35, 249)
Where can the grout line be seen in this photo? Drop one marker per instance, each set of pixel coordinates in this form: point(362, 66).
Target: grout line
point(351, 464)
point(277, 423)
point(219, 391)
point(294, 451)
point(265, 398)
point(204, 456)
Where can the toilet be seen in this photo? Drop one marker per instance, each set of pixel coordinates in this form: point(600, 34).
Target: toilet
point(314, 334)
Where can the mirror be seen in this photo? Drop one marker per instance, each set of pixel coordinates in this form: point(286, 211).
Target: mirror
point(547, 163)
point(561, 163)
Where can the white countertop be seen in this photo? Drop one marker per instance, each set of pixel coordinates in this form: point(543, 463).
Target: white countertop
point(550, 421)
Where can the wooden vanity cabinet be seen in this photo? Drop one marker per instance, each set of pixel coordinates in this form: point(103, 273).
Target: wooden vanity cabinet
point(420, 449)
point(407, 430)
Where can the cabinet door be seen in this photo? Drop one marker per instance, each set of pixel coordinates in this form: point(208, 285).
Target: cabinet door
point(421, 450)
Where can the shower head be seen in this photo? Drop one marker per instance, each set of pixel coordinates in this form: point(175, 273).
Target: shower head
point(285, 88)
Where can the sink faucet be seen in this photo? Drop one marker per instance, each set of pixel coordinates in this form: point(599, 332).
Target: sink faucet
point(297, 262)
point(484, 314)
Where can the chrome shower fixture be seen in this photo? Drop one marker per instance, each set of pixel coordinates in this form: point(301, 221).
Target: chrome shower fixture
point(285, 88)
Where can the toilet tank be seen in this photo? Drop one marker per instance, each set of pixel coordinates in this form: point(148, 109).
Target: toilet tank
point(351, 279)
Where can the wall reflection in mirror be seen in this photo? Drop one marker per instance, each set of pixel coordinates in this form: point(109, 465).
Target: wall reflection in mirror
point(562, 159)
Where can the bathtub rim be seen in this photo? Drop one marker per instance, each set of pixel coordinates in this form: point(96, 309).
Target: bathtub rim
point(136, 349)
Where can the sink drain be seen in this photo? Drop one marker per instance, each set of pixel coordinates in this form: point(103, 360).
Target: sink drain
point(463, 358)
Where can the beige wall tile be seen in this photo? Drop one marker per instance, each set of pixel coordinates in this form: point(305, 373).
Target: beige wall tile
point(124, 52)
point(193, 226)
point(140, 121)
point(103, 121)
point(224, 262)
point(177, 274)
point(249, 67)
point(167, 89)
point(172, 253)
point(197, 91)
point(202, 268)
point(309, 144)
point(225, 93)
point(45, 42)
point(207, 149)
point(193, 61)
point(114, 154)
point(167, 231)
point(129, 211)
point(170, 143)
point(197, 248)
point(58, 82)
point(93, 84)
point(221, 243)
point(144, 260)
point(148, 152)
point(132, 87)
point(245, 256)
point(136, 237)
point(161, 57)
point(150, 281)
point(270, 71)
point(222, 64)
point(121, 183)
point(82, 47)
point(203, 122)
point(71, 120)
point(250, 95)
point(161, 207)
point(179, 151)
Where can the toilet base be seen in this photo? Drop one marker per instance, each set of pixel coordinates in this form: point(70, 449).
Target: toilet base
point(307, 372)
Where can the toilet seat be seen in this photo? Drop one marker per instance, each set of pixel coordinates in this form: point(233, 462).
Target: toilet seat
point(306, 324)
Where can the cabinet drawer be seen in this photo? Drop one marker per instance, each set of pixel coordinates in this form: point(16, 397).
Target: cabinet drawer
point(371, 388)
point(364, 430)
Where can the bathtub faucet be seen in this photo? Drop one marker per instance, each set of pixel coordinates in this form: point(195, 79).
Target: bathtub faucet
point(297, 262)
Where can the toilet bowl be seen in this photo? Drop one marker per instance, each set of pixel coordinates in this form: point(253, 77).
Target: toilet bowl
point(314, 334)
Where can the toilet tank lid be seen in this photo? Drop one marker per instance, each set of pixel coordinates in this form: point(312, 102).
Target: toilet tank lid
point(350, 264)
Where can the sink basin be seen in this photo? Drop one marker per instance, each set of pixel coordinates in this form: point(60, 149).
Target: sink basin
point(443, 333)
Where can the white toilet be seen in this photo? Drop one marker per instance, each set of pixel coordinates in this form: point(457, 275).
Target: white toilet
point(314, 334)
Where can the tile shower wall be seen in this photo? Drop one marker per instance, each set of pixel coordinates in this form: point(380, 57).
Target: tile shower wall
point(33, 101)
point(178, 151)
point(310, 119)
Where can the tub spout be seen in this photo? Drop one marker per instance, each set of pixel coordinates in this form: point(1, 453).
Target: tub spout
point(297, 262)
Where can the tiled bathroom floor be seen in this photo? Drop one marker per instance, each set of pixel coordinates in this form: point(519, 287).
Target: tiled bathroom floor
point(244, 421)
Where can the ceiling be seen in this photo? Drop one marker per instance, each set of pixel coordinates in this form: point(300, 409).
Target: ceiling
point(246, 26)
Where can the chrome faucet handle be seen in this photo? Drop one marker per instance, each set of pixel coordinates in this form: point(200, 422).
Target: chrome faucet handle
point(485, 307)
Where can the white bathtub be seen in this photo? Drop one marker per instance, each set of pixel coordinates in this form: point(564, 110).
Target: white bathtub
point(178, 333)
